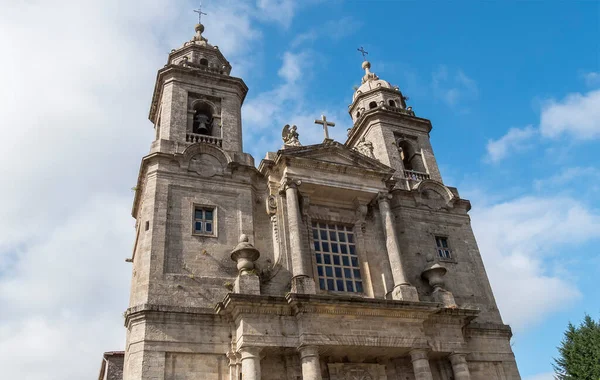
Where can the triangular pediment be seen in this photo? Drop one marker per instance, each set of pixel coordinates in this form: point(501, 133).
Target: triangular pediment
point(334, 153)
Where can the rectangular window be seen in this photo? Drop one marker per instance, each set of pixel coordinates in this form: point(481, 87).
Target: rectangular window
point(204, 222)
point(443, 248)
point(337, 261)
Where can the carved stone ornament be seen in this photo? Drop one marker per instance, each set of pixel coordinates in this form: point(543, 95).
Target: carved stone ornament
point(351, 371)
point(271, 204)
point(365, 147)
point(290, 136)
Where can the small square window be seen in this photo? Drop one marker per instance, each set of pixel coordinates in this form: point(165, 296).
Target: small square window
point(204, 220)
point(443, 248)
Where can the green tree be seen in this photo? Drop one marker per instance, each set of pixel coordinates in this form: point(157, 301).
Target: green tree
point(579, 352)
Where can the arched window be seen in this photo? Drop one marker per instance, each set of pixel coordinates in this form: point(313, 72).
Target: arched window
point(358, 114)
point(392, 103)
point(204, 62)
point(410, 157)
point(372, 105)
point(203, 119)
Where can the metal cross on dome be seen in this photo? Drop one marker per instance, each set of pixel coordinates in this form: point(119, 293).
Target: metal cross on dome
point(363, 52)
point(325, 124)
point(200, 13)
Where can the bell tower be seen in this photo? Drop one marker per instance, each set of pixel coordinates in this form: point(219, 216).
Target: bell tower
point(399, 138)
point(195, 99)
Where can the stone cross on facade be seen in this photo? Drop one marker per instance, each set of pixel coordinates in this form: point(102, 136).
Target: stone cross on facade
point(325, 124)
point(363, 52)
point(200, 13)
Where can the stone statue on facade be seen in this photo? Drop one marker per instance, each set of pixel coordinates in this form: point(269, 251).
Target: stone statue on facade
point(290, 136)
point(365, 147)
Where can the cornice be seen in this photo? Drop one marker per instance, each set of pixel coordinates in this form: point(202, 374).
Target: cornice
point(387, 115)
point(208, 76)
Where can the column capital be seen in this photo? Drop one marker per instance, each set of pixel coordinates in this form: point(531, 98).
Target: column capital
point(384, 196)
point(457, 358)
point(308, 351)
point(287, 183)
point(419, 354)
point(250, 352)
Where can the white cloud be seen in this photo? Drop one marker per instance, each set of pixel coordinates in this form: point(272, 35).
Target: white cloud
point(291, 70)
point(541, 376)
point(565, 178)
point(281, 11)
point(592, 79)
point(520, 241)
point(453, 88)
point(577, 116)
point(75, 98)
point(335, 29)
point(514, 140)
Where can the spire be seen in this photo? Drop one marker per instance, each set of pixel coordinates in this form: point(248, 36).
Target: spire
point(369, 76)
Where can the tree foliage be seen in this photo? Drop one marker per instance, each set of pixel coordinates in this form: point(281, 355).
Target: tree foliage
point(579, 352)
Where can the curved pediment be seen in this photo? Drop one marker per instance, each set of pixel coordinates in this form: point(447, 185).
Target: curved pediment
point(434, 195)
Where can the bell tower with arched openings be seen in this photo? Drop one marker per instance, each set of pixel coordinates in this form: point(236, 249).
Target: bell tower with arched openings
point(195, 99)
point(399, 138)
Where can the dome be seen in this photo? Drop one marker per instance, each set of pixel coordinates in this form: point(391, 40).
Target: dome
point(370, 81)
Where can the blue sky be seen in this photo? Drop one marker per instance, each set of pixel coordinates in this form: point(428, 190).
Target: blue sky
point(512, 90)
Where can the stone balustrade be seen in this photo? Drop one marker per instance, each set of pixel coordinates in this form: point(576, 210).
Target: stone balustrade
point(195, 138)
point(415, 175)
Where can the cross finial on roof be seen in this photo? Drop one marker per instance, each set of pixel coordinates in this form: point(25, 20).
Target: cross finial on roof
point(325, 124)
point(200, 13)
point(363, 52)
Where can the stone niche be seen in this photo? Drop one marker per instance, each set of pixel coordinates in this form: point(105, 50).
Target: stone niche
point(350, 371)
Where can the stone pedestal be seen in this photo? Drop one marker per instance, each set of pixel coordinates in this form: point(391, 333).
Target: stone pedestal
point(303, 285)
point(247, 284)
point(311, 368)
point(420, 362)
point(460, 366)
point(444, 297)
point(402, 289)
point(250, 363)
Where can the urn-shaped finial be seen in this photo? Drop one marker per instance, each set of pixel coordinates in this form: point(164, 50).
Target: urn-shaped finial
point(434, 274)
point(245, 255)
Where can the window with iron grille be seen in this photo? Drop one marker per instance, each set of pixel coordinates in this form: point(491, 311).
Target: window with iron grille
point(204, 223)
point(443, 248)
point(337, 261)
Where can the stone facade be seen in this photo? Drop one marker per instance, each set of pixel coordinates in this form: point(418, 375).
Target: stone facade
point(332, 261)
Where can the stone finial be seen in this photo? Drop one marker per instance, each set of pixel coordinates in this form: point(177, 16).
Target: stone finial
point(366, 65)
point(433, 274)
point(245, 255)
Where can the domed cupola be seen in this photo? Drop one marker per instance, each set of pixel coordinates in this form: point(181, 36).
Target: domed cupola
point(373, 93)
point(197, 53)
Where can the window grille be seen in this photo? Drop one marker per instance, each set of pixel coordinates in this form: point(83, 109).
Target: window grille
point(204, 220)
point(443, 248)
point(337, 261)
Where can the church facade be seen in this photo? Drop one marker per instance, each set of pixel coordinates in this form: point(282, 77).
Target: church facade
point(338, 261)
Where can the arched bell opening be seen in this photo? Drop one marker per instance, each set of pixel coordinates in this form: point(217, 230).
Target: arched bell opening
point(392, 103)
point(411, 158)
point(203, 119)
point(372, 105)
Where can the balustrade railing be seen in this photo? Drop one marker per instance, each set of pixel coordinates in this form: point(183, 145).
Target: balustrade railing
point(195, 138)
point(415, 175)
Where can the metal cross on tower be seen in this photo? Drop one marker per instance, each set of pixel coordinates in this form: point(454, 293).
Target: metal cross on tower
point(200, 13)
point(325, 124)
point(363, 52)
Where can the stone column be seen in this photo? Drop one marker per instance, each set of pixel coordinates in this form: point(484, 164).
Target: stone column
point(402, 289)
point(250, 363)
point(460, 366)
point(311, 368)
point(420, 362)
point(301, 281)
